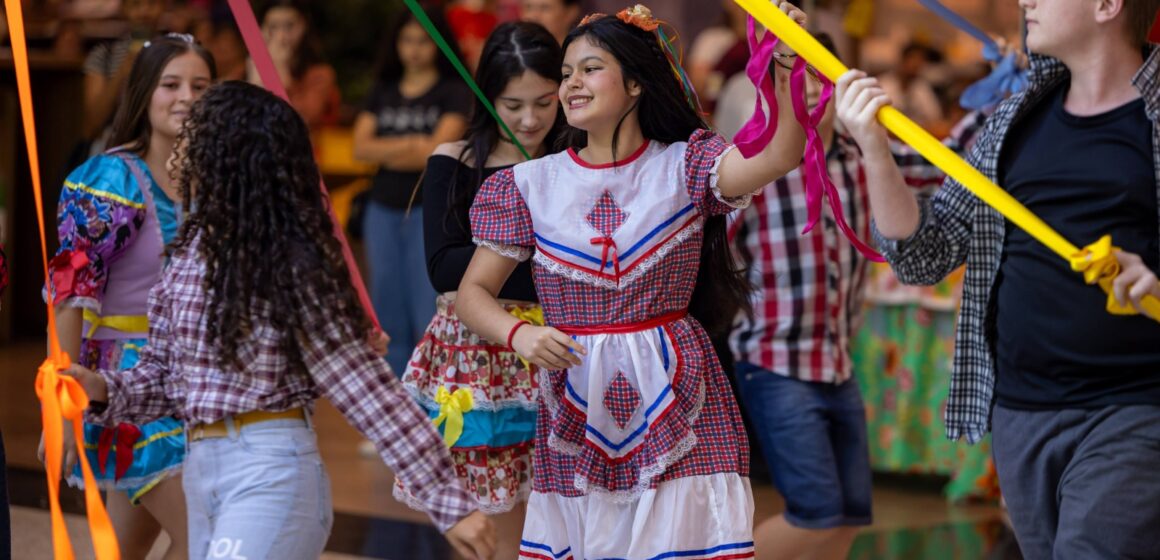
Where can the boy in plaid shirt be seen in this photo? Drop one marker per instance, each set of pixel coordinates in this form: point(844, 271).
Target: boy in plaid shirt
point(1070, 391)
point(793, 354)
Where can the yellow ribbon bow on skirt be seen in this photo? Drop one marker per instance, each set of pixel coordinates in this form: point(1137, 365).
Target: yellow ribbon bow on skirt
point(451, 409)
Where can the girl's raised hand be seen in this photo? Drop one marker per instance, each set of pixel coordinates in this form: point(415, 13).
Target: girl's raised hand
point(858, 98)
point(798, 16)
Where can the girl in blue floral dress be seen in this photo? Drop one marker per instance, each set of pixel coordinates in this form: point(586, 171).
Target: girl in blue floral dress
point(115, 217)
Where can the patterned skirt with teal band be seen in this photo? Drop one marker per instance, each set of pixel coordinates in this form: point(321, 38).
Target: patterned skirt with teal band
point(158, 447)
point(492, 456)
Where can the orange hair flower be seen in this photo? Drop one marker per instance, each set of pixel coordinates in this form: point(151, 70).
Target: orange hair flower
point(639, 16)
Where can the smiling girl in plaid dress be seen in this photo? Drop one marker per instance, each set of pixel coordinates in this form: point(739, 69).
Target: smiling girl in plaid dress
point(639, 451)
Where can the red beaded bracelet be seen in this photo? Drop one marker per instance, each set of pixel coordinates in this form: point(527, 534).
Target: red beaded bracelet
point(512, 333)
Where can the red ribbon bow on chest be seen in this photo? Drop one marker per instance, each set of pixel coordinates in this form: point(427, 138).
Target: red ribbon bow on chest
point(609, 245)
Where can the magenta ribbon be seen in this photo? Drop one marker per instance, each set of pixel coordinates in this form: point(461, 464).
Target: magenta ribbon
point(814, 171)
point(759, 129)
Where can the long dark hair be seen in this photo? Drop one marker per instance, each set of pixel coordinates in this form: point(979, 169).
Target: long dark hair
point(512, 49)
point(131, 127)
point(261, 225)
point(308, 52)
point(390, 67)
point(666, 116)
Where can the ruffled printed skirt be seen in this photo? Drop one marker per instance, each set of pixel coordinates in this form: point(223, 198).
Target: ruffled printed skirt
point(492, 454)
point(640, 452)
point(131, 458)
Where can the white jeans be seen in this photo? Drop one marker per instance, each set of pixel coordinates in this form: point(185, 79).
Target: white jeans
point(261, 493)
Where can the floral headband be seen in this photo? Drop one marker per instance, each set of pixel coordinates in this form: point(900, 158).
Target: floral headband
point(638, 15)
point(641, 17)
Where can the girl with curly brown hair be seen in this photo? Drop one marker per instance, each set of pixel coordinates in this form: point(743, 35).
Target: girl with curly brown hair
point(254, 319)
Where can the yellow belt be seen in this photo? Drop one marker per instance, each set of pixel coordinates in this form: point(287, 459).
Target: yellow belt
point(123, 323)
point(220, 429)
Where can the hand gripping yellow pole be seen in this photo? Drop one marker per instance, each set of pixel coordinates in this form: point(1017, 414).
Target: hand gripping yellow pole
point(1097, 261)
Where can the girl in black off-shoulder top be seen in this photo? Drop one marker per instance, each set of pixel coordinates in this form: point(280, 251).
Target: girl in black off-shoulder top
point(447, 184)
point(453, 369)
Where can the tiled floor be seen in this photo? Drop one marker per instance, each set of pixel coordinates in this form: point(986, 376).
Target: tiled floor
point(910, 522)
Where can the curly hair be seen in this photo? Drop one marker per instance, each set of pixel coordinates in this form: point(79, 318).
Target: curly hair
point(246, 168)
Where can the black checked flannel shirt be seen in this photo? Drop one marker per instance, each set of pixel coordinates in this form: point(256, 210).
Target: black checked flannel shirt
point(955, 227)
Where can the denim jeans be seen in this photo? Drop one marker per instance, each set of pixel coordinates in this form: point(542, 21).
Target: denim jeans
point(401, 292)
point(813, 437)
point(261, 493)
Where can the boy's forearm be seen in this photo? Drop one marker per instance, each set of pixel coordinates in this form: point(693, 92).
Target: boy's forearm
point(892, 204)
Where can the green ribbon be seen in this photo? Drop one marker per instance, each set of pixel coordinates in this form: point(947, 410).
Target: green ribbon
point(421, 16)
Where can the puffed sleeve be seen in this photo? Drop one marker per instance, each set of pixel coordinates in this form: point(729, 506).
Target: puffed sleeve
point(703, 155)
point(500, 219)
point(100, 211)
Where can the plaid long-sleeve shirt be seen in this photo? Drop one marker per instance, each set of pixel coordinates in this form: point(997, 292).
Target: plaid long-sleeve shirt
point(178, 375)
point(810, 287)
point(955, 227)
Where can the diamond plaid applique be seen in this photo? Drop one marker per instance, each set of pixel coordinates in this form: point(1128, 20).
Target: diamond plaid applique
point(606, 217)
point(621, 399)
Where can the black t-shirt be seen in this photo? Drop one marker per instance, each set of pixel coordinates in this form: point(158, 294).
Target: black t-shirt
point(396, 115)
point(1056, 345)
point(447, 229)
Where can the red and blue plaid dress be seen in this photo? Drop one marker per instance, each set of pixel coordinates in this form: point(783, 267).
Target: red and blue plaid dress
point(640, 451)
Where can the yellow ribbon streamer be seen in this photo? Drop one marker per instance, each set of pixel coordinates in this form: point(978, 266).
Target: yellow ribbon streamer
point(123, 323)
point(948, 161)
point(452, 406)
point(1098, 264)
point(533, 314)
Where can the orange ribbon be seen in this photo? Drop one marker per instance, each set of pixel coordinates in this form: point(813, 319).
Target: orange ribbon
point(61, 397)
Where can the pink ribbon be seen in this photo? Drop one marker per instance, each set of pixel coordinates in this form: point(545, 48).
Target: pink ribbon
point(759, 129)
point(814, 171)
point(264, 63)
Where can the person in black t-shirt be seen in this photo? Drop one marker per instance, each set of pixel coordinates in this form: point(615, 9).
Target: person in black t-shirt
point(519, 72)
point(1070, 391)
point(417, 103)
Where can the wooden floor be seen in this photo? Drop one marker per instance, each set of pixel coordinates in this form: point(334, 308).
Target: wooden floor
point(910, 520)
